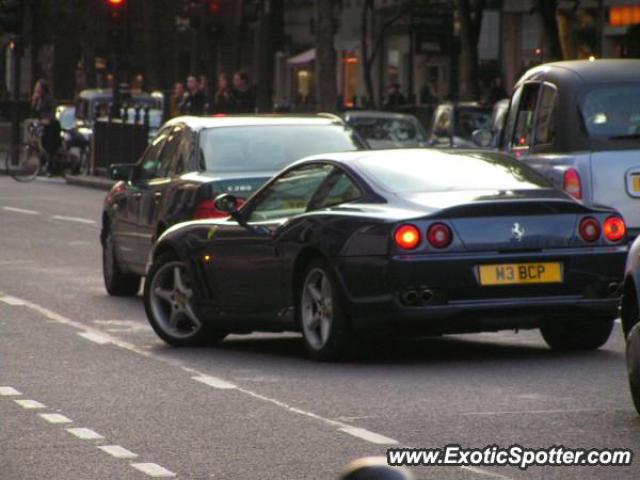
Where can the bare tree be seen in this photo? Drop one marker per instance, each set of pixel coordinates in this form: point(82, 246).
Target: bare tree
point(326, 91)
point(376, 37)
point(470, 17)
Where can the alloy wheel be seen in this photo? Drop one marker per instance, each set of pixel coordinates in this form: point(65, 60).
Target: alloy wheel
point(317, 308)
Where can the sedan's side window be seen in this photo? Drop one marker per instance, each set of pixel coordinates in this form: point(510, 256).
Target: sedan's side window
point(148, 167)
point(290, 193)
point(169, 153)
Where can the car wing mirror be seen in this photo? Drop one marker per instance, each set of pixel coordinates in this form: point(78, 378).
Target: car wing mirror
point(228, 203)
point(121, 171)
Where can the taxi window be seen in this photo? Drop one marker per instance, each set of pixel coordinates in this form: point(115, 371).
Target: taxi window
point(523, 132)
point(545, 124)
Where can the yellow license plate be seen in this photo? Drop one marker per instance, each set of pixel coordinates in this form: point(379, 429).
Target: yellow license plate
point(520, 273)
point(635, 183)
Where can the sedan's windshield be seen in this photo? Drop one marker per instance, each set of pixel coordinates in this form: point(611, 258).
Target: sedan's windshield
point(270, 148)
point(470, 119)
point(397, 130)
point(612, 111)
point(434, 171)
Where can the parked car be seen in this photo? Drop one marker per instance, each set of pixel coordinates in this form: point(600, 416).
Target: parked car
point(387, 129)
point(454, 123)
point(490, 137)
point(191, 160)
point(578, 123)
point(415, 240)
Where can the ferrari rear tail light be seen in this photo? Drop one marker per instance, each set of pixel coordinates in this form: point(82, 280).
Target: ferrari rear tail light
point(614, 229)
point(589, 229)
point(572, 184)
point(439, 235)
point(407, 237)
point(207, 209)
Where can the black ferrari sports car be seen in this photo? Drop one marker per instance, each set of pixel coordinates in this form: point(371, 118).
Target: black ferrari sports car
point(411, 241)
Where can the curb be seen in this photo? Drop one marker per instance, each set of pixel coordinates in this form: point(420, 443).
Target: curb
point(99, 183)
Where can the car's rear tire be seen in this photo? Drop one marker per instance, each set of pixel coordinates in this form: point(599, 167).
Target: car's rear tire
point(325, 327)
point(567, 335)
point(633, 364)
point(116, 282)
point(168, 303)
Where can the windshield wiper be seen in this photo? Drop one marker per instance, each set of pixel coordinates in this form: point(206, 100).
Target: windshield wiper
point(629, 136)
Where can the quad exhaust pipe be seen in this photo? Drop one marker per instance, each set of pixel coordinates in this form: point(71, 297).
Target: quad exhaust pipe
point(417, 297)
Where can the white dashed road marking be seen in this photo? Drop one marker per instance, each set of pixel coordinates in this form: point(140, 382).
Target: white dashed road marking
point(55, 418)
point(74, 219)
point(371, 437)
point(9, 392)
point(153, 470)
point(30, 404)
point(85, 434)
point(214, 382)
point(117, 451)
point(13, 301)
point(21, 210)
point(95, 337)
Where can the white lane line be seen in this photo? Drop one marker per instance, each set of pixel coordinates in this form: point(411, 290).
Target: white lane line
point(483, 472)
point(369, 436)
point(55, 317)
point(21, 210)
point(85, 434)
point(9, 392)
point(214, 382)
point(95, 337)
point(74, 219)
point(117, 451)
point(13, 301)
point(54, 418)
point(30, 404)
point(153, 470)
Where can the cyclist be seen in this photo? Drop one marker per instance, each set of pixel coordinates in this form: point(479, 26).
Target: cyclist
point(43, 106)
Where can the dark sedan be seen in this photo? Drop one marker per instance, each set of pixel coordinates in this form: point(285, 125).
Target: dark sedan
point(192, 160)
point(410, 241)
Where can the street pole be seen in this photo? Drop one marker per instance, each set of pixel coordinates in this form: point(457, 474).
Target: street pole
point(15, 127)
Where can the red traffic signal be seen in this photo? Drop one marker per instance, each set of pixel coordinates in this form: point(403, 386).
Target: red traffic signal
point(115, 3)
point(215, 7)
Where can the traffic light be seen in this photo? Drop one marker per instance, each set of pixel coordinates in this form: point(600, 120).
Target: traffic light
point(11, 14)
point(117, 23)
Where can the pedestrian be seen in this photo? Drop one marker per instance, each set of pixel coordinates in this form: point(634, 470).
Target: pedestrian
point(223, 99)
point(394, 97)
point(203, 85)
point(243, 95)
point(43, 107)
point(195, 99)
point(496, 92)
point(176, 99)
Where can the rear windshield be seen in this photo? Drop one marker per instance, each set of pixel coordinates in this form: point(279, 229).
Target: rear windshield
point(468, 120)
point(270, 148)
point(435, 171)
point(612, 111)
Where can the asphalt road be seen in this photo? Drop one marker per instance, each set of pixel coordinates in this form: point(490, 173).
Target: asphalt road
point(127, 406)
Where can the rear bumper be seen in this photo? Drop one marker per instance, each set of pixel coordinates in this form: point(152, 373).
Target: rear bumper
point(455, 302)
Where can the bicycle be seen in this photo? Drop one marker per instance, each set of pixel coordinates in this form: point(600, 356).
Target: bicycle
point(32, 159)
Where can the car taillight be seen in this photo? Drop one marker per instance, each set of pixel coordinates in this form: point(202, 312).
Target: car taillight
point(572, 184)
point(407, 237)
point(589, 229)
point(439, 235)
point(207, 209)
point(614, 229)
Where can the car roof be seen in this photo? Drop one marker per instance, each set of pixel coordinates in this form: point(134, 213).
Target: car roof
point(391, 154)
point(589, 71)
point(376, 114)
point(200, 123)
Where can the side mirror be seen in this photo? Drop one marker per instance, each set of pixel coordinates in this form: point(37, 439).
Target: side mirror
point(482, 137)
point(227, 203)
point(374, 468)
point(121, 171)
